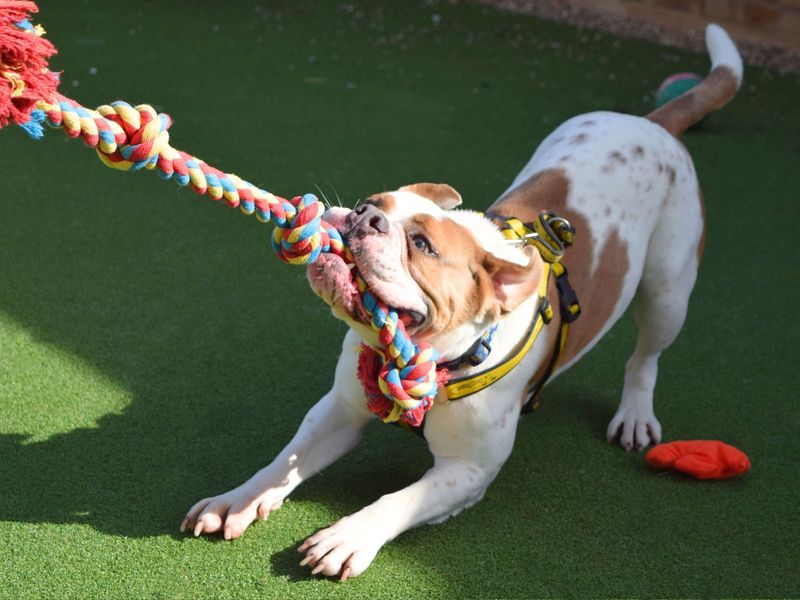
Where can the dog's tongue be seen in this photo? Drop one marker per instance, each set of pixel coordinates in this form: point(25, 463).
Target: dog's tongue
point(406, 318)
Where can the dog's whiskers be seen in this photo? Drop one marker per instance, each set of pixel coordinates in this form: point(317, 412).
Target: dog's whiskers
point(338, 199)
point(325, 200)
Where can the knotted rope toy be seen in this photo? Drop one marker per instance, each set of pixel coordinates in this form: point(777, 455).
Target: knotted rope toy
point(132, 138)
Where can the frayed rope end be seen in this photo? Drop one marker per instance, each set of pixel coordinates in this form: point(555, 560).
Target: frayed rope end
point(34, 127)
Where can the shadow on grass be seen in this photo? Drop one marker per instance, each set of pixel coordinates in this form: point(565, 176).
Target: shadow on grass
point(188, 312)
point(196, 339)
point(197, 424)
point(172, 315)
point(286, 563)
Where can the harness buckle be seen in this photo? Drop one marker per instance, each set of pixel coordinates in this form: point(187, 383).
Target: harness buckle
point(550, 234)
point(567, 298)
point(546, 310)
point(480, 353)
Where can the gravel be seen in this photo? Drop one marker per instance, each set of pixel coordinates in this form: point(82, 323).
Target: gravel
point(772, 57)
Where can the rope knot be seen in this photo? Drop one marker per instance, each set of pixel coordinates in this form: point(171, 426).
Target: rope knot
point(145, 133)
point(403, 393)
point(300, 234)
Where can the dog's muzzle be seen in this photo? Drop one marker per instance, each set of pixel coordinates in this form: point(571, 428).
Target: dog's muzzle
point(366, 220)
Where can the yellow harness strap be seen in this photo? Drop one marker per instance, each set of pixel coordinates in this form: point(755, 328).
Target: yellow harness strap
point(465, 386)
point(551, 236)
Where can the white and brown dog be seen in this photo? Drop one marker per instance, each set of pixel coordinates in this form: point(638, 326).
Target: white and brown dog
point(629, 188)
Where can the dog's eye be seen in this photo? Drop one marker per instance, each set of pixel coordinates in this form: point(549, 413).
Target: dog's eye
point(420, 242)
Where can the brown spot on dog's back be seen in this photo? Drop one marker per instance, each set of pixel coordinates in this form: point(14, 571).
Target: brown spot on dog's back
point(671, 173)
point(579, 138)
point(546, 190)
point(598, 291)
point(638, 151)
point(617, 157)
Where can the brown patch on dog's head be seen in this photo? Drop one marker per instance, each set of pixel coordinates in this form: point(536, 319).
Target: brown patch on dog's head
point(461, 280)
point(441, 194)
point(385, 201)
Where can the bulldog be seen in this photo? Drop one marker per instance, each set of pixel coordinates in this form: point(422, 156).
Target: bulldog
point(629, 188)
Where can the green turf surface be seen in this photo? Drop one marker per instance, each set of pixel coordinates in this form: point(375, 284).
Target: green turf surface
point(143, 329)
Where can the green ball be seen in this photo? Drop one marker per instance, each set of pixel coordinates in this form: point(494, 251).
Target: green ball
point(674, 86)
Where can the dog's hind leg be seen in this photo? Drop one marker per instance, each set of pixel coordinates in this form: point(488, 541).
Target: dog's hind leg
point(661, 303)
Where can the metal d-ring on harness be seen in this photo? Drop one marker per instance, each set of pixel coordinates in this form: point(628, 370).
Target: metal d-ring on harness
point(551, 235)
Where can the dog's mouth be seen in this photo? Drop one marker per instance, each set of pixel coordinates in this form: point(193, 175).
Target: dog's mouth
point(336, 280)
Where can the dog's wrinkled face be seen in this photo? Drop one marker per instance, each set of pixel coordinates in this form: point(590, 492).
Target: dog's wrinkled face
point(449, 273)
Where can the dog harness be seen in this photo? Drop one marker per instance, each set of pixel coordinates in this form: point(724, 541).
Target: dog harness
point(551, 236)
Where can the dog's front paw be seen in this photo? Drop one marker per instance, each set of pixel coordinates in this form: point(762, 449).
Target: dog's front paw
point(231, 513)
point(635, 427)
point(346, 548)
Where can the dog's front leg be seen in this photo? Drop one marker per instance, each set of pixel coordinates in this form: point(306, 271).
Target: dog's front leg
point(468, 447)
point(331, 428)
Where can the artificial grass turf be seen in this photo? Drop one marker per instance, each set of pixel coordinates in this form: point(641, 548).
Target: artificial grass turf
point(153, 351)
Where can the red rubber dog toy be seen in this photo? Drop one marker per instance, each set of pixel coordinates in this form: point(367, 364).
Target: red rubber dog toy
point(702, 459)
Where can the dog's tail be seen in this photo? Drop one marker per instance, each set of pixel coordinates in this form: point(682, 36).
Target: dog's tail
point(714, 92)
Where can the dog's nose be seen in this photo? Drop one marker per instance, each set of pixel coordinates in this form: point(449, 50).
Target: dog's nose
point(369, 220)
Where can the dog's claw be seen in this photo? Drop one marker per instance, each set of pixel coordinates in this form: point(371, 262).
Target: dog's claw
point(306, 560)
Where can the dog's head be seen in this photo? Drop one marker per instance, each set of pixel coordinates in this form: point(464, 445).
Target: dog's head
point(449, 273)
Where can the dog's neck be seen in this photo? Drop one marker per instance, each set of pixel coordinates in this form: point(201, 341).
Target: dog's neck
point(510, 333)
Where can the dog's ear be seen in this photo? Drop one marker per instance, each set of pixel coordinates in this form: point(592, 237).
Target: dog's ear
point(513, 283)
point(441, 194)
